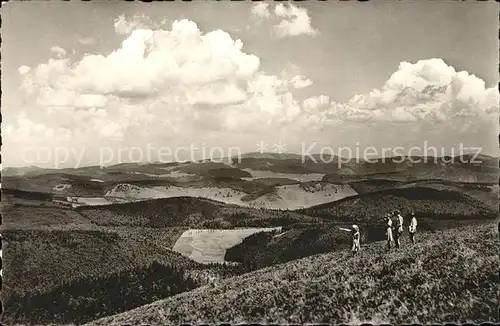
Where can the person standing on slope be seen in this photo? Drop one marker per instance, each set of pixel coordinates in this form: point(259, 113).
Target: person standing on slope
point(399, 228)
point(388, 230)
point(412, 228)
point(355, 246)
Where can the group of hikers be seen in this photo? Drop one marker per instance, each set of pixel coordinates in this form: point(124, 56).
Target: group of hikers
point(393, 231)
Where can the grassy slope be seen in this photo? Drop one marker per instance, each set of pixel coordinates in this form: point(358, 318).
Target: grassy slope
point(369, 208)
point(371, 185)
point(22, 213)
point(291, 165)
point(449, 276)
point(215, 174)
point(422, 168)
point(262, 249)
point(275, 181)
point(45, 183)
point(489, 197)
point(204, 213)
point(485, 192)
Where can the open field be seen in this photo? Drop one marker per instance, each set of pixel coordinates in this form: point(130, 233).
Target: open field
point(209, 246)
point(291, 196)
point(301, 196)
point(258, 174)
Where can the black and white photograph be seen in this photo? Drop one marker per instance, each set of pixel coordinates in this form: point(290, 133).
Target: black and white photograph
point(249, 162)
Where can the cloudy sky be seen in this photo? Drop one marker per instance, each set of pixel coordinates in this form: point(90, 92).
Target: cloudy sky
point(91, 75)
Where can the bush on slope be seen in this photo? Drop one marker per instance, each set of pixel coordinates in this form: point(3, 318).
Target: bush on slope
point(39, 260)
point(81, 300)
point(449, 276)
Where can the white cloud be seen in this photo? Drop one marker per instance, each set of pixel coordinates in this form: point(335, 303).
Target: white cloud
point(428, 90)
point(293, 20)
point(159, 84)
point(316, 102)
point(27, 132)
point(85, 40)
point(423, 102)
point(24, 70)
point(60, 52)
point(126, 26)
point(261, 10)
point(154, 63)
point(181, 85)
point(216, 94)
point(300, 81)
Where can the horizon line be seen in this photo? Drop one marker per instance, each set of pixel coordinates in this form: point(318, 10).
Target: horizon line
point(2, 167)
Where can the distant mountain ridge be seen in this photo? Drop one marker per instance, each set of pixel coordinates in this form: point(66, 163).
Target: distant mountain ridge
point(268, 180)
point(466, 158)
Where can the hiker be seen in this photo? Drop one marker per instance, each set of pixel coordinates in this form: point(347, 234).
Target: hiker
point(388, 230)
point(398, 229)
point(355, 246)
point(412, 228)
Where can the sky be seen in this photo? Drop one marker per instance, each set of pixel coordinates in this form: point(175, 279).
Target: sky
point(84, 82)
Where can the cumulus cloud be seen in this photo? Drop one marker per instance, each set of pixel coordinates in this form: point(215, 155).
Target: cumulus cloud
point(23, 70)
point(163, 86)
point(126, 26)
point(60, 52)
point(293, 20)
point(261, 10)
point(153, 64)
point(300, 81)
point(26, 132)
point(85, 40)
point(428, 90)
point(314, 103)
point(157, 84)
point(426, 101)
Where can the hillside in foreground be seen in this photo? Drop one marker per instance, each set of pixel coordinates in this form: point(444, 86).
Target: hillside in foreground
point(40, 260)
point(265, 249)
point(448, 276)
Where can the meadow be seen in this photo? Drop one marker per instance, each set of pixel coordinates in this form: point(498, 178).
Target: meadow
point(205, 246)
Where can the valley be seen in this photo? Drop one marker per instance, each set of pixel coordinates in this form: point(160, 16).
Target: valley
point(206, 225)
